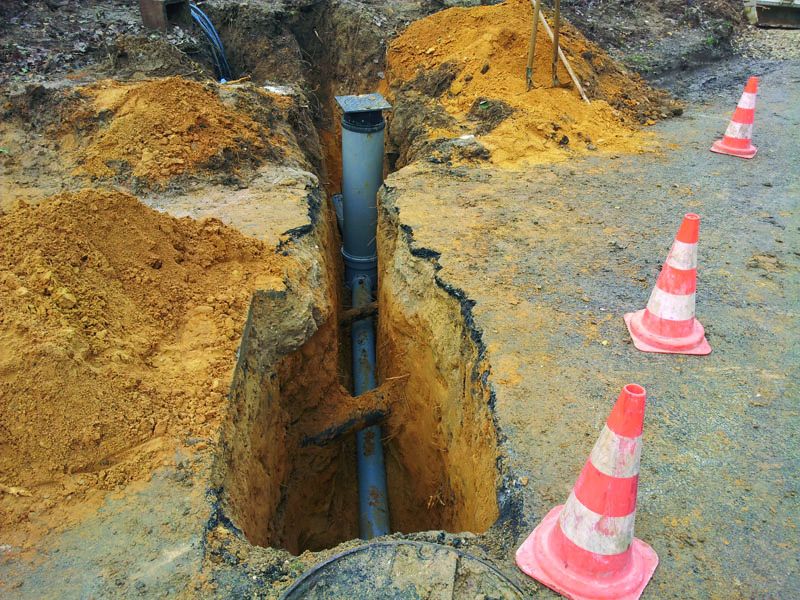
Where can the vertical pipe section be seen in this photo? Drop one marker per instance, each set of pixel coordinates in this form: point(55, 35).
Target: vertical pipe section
point(373, 517)
point(362, 172)
point(362, 175)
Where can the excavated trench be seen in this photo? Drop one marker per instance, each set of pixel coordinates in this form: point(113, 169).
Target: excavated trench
point(292, 378)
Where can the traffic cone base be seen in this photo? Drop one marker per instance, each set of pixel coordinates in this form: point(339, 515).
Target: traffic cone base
point(695, 343)
point(721, 148)
point(538, 559)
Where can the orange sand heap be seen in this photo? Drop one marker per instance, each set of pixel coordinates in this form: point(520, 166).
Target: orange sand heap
point(165, 127)
point(118, 332)
point(488, 47)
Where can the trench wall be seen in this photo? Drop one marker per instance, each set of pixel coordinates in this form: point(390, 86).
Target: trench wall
point(440, 444)
point(275, 491)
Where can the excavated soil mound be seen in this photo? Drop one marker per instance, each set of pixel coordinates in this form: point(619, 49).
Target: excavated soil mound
point(158, 129)
point(118, 332)
point(472, 60)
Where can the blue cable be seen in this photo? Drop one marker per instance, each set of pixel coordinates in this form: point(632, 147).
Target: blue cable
point(221, 65)
point(214, 50)
point(215, 36)
point(207, 27)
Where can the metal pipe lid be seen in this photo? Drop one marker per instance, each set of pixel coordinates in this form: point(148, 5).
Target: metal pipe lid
point(362, 103)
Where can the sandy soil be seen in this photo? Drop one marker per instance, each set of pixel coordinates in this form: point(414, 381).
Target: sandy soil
point(112, 352)
point(162, 128)
point(471, 62)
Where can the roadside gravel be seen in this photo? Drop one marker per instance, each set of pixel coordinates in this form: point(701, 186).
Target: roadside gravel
point(770, 44)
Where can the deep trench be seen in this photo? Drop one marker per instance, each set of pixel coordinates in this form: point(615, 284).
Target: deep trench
point(439, 440)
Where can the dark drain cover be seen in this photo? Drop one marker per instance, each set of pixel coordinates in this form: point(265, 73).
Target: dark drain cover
point(403, 570)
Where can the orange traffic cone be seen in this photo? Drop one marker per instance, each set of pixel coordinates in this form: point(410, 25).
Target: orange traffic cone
point(668, 323)
point(585, 549)
point(737, 139)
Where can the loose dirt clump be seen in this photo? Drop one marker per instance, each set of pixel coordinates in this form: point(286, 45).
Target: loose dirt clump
point(158, 129)
point(118, 332)
point(488, 113)
point(489, 44)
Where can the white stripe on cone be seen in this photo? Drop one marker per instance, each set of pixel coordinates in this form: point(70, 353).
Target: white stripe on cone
point(616, 455)
point(748, 100)
point(742, 131)
point(673, 307)
point(594, 532)
point(683, 256)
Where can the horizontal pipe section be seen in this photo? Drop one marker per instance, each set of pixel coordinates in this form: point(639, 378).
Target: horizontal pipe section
point(372, 494)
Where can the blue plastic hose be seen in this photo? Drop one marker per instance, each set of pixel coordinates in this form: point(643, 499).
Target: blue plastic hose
point(221, 66)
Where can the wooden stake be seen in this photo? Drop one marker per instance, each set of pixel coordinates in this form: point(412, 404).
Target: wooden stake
point(564, 59)
point(532, 45)
point(556, 47)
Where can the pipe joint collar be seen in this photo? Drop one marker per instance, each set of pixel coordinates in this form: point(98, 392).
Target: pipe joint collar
point(364, 261)
point(356, 266)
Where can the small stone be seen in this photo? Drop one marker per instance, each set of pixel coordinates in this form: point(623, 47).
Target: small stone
point(64, 299)
point(523, 481)
point(159, 429)
point(484, 68)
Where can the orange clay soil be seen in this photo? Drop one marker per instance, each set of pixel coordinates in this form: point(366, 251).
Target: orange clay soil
point(488, 46)
point(118, 332)
point(165, 127)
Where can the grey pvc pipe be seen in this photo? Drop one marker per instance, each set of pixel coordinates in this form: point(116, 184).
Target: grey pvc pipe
point(362, 175)
point(373, 506)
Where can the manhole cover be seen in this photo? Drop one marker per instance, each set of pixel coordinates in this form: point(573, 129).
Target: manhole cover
point(403, 569)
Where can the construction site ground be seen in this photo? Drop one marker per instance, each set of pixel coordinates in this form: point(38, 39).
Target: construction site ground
point(174, 328)
point(554, 256)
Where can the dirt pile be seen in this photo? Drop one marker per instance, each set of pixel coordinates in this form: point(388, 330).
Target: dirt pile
point(472, 60)
point(118, 333)
point(165, 127)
